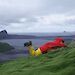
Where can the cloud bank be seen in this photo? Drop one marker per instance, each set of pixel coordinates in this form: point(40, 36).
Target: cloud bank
point(21, 16)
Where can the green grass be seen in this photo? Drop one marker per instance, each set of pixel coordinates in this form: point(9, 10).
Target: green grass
point(59, 62)
point(5, 47)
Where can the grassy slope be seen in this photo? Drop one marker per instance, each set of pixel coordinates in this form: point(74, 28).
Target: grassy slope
point(5, 47)
point(59, 62)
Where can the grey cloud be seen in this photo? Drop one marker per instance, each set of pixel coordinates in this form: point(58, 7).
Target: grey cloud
point(11, 11)
point(70, 22)
point(32, 19)
point(7, 21)
point(58, 6)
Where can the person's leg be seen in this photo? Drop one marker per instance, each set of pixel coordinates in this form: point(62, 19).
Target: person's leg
point(38, 52)
point(33, 52)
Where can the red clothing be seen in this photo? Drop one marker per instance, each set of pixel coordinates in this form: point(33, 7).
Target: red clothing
point(50, 45)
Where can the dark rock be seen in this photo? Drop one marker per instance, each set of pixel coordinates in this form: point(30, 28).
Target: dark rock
point(3, 34)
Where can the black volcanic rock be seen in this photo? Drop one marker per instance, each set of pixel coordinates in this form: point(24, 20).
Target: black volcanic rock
point(4, 31)
point(3, 34)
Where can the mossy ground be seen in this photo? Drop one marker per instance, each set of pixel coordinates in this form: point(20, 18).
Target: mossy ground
point(59, 62)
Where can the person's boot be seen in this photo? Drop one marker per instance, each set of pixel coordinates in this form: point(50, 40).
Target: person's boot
point(28, 44)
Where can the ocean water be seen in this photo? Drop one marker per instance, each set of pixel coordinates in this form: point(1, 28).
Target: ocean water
point(20, 50)
point(20, 42)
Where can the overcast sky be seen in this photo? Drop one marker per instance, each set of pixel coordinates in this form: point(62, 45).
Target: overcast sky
point(21, 16)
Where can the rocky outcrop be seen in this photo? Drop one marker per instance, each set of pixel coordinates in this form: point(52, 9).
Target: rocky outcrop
point(3, 34)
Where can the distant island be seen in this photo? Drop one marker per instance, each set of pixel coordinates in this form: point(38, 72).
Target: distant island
point(4, 35)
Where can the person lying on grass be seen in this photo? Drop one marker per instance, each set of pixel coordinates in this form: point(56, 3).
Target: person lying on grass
point(57, 43)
